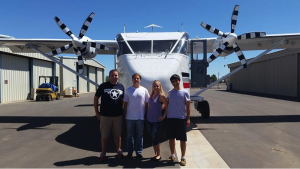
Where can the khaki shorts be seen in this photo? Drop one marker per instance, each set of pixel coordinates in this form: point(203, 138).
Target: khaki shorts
point(107, 123)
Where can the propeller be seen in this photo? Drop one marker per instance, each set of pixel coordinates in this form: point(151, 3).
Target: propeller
point(80, 44)
point(230, 39)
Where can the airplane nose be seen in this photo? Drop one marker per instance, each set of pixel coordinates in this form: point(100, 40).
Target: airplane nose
point(152, 69)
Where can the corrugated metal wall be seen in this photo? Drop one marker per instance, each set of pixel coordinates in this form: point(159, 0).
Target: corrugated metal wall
point(276, 76)
point(57, 71)
point(93, 62)
point(83, 83)
point(40, 68)
point(93, 78)
point(99, 76)
point(16, 71)
point(69, 79)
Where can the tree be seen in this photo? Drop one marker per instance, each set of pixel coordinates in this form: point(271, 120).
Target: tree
point(106, 78)
point(213, 78)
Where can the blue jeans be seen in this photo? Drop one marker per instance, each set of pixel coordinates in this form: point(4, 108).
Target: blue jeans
point(137, 127)
point(154, 129)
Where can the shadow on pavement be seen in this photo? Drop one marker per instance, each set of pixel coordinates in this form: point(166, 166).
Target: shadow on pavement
point(85, 134)
point(248, 119)
point(112, 161)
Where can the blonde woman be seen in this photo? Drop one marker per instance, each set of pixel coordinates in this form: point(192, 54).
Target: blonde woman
point(155, 117)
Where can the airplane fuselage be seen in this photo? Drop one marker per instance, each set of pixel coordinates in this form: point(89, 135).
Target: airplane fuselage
point(155, 56)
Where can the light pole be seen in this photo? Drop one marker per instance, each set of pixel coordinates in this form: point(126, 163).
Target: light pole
point(218, 79)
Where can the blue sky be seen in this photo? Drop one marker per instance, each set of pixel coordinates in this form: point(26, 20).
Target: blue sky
point(34, 19)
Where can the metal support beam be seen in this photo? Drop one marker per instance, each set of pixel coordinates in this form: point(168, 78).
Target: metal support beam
point(88, 76)
point(239, 68)
point(61, 64)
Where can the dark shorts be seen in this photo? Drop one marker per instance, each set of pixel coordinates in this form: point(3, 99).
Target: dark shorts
point(176, 129)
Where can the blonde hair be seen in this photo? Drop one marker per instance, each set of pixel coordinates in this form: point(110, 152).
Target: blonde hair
point(161, 91)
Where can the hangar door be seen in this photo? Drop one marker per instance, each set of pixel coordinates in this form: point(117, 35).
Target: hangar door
point(93, 78)
point(40, 68)
point(14, 79)
point(82, 82)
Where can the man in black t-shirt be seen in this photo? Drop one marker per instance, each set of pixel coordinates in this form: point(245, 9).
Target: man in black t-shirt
point(111, 112)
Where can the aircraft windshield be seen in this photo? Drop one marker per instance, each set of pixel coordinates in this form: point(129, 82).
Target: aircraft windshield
point(160, 46)
point(123, 49)
point(182, 45)
point(140, 46)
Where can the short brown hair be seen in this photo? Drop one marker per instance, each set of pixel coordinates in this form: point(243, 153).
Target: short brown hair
point(113, 70)
point(137, 75)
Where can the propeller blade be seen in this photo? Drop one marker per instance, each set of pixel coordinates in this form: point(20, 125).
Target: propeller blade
point(96, 45)
point(64, 28)
point(240, 55)
point(234, 17)
point(217, 52)
point(80, 64)
point(212, 29)
point(86, 25)
point(59, 50)
point(251, 35)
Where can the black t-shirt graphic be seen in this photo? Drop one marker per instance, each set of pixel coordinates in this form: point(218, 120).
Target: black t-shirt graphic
point(111, 99)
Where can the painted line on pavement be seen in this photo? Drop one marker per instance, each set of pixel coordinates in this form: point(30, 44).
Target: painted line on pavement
point(199, 152)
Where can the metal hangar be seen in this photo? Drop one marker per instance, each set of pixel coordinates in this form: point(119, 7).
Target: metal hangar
point(19, 74)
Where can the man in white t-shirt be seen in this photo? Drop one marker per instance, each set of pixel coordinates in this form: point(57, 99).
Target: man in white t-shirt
point(135, 107)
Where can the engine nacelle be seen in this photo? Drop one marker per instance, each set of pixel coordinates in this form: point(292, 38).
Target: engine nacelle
point(218, 43)
point(90, 53)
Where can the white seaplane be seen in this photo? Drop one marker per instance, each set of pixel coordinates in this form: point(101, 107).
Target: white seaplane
point(157, 55)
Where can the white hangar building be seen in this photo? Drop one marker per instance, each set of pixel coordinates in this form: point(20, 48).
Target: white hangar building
point(277, 73)
point(19, 74)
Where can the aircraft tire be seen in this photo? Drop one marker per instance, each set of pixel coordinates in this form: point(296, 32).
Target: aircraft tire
point(205, 110)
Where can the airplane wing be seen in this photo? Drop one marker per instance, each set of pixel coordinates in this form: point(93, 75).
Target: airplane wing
point(260, 43)
point(47, 45)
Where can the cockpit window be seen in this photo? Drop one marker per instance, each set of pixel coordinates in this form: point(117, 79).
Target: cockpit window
point(160, 46)
point(140, 46)
point(122, 46)
point(123, 49)
point(181, 47)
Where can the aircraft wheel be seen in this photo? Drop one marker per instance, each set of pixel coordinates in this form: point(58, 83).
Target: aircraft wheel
point(204, 109)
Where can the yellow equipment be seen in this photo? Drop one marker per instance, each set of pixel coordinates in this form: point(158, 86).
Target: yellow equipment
point(48, 91)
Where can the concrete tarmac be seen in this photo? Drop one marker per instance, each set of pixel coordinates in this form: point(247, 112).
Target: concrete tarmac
point(64, 133)
point(252, 131)
point(244, 131)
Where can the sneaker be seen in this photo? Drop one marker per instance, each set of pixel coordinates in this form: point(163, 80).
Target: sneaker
point(139, 156)
point(120, 154)
point(102, 156)
point(129, 156)
point(183, 162)
point(171, 159)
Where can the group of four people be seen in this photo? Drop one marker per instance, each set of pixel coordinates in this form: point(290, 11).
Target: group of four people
point(137, 106)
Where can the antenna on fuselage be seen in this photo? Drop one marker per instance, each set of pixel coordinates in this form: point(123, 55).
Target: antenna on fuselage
point(124, 28)
point(181, 27)
point(153, 25)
